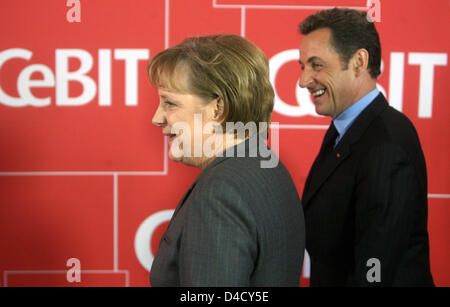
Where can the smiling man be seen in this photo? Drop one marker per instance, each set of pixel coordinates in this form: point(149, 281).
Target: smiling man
point(365, 198)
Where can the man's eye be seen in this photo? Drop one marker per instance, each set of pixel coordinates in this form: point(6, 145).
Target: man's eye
point(317, 66)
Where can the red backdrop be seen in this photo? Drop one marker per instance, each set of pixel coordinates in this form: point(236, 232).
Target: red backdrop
point(84, 174)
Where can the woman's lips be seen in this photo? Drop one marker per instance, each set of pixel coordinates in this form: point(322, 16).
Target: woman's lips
point(171, 137)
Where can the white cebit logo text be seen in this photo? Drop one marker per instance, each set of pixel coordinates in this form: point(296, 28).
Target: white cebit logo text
point(64, 76)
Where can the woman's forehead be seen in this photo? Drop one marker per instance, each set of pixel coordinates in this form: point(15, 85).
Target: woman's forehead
point(164, 92)
point(175, 79)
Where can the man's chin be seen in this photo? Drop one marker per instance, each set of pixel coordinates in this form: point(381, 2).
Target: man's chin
point(321, 111)
point(323, 108)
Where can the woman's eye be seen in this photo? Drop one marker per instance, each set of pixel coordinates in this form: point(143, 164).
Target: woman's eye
point(169, 103)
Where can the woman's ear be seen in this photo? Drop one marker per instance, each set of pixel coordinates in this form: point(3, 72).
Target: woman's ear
point(218, 109)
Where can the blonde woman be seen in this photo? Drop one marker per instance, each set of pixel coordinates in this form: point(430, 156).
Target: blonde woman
point(240, 224)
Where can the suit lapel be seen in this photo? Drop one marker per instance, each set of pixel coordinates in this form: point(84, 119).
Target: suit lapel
point(230, 152)
point(320, 173)
point(183, 199)
point(189, 191)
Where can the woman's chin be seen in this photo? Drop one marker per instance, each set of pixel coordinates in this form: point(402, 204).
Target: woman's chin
point(179, 157)
point(174, 159)
point(175, 155)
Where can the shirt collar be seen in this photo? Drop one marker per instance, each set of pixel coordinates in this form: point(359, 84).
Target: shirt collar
point(346, 118)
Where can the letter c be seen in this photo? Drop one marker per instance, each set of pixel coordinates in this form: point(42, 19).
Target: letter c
point(144, 234)
point(5, 56)
point(305, 105)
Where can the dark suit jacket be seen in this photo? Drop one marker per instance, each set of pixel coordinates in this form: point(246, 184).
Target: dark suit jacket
point(238, 225)
point(368, 199)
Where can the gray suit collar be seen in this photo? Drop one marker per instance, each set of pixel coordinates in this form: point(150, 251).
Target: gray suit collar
point(244, 147)
point(248, 148)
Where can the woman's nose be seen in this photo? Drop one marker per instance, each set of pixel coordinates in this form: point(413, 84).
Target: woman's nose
point(159, 119)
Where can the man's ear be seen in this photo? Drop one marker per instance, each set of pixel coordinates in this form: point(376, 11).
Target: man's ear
point(360, 61)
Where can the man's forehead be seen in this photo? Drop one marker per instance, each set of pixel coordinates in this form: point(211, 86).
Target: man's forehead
point(315, 44)
point(320, 37)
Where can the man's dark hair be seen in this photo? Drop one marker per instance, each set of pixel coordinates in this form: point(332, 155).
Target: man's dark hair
point(350, 30)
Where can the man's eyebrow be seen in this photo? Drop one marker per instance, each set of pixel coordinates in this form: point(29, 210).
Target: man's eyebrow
point(310, 60)
point(314, 58)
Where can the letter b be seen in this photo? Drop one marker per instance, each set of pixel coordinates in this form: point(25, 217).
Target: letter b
point(63, 76)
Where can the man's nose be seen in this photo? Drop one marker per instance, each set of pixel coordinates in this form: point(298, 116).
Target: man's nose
point(159, 119)
point(305, 79)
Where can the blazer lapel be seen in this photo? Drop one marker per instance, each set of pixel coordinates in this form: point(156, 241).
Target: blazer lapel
point(189, 191)
point(320, 173)
point(230, 152)
point(183, 199)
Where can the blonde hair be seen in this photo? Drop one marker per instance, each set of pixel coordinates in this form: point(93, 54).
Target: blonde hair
point(227, 66)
